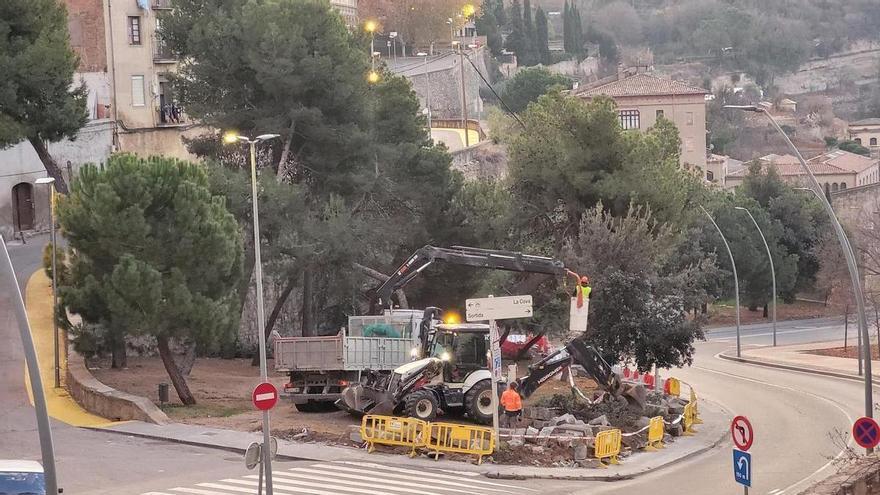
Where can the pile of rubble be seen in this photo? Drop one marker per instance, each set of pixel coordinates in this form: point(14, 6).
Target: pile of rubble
point(563, 433)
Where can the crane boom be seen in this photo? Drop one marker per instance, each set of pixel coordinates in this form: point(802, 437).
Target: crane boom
point(467, 256)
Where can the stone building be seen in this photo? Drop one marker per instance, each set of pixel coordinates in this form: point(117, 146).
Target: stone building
point(867, 133)
point(831, 177)
point(642, 98)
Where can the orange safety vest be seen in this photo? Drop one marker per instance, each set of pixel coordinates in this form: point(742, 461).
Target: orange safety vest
point(511, 401)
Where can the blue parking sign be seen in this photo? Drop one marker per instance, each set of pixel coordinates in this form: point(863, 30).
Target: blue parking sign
point(742, 467)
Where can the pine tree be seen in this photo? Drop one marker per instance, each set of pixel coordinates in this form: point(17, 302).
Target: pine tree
point(38, 100)
point(153, 254)
point(542, 36)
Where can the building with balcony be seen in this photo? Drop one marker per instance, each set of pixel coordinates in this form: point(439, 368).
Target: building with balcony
point(348, 9)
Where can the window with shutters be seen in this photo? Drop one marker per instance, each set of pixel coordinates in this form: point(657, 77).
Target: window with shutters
point(137, 91)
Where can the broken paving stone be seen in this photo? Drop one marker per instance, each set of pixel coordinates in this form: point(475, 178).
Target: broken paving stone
point(565, 419)
point(674, 429)
point(600, 421)
point(536, 449)
point(584, 430)
point(635, 441)
point(355, 437)
point(652, 410)
point(676, 410)
point(642, 422)
point(544, 435)
point(589, 463)
point(515, 443)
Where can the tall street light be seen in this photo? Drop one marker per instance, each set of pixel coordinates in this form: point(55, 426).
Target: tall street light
point(822, 198)
point(735, 278)
point(258, 268)
point(847, 252)
point(50, 181)
point(772, 270)
point(427, 90)
point(370, 27)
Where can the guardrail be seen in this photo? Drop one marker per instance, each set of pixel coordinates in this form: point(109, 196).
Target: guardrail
point(391, 430)
point(462, 439)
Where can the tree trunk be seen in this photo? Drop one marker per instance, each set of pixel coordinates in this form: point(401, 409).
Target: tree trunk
point(704, 308)
point(119, 356)
point(186, 362)
point(177, 378)
point(52, 168)
point(276, 311)
point(285, 153)
point(308, 319)
point(766, 311)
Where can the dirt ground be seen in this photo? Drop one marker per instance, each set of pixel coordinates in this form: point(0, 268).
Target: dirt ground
point(222, 388)
point(850, 351)
point(721, 314)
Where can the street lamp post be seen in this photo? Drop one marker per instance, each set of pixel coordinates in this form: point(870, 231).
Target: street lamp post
point(50, 181)
point(847, 252)
point(370, 27)
point(427, 90)
point(772, 270)
point(258, 273)
point(735, 278)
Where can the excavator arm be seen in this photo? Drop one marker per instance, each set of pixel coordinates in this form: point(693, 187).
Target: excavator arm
point(466, 256)
point(579, 352)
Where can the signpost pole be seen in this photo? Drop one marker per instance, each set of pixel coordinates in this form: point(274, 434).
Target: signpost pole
point(493, 336)
point(260, 479)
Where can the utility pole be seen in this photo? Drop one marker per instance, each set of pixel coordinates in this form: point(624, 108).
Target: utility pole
point(464, 115)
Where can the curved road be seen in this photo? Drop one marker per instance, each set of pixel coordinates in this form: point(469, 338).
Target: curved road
point(801, 423)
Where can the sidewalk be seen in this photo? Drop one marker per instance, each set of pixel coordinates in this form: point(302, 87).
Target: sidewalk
point(711, 433)
point(60, 404)
point(795, 357)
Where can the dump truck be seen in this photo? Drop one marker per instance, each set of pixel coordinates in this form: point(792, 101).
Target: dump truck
point(321, 367)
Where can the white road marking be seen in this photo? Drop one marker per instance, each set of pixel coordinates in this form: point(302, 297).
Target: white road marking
point(396, 480)
point(767, 334)
point(311, 488)
point(774, 492)
point(266, 396)
point(197, 491)
point(423, 474)
point(842, 410)
point(228, 488)
point(374, 483)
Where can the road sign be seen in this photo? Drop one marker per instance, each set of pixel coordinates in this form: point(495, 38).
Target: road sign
point(265, 396)
point(866, 433)
point(577, 316)
point(252, 455)
point(742, 467)
point(499, 308)
point(495, 355)
point(741, 431)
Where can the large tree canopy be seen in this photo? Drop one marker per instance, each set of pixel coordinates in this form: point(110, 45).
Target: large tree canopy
point(153, 254)
point(37, 99)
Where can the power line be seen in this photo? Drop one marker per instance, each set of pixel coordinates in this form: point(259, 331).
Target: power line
point(506, 107)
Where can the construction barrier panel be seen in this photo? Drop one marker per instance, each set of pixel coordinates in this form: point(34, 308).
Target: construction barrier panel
point(672, 387)
point(608, 446)
point(697, 420)
point(690, 413)
point(656, 429)
point(391, 430)
point(462, 439)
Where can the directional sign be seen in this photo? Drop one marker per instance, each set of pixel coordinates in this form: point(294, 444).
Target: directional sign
point(742, 467)
point(265, 396)
point(741, 431)
point(866, 433)
point(499, 308)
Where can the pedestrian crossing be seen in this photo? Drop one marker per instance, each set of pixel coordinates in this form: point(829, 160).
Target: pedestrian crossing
point(355, 478)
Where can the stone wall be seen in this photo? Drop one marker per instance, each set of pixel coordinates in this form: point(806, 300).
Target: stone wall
point(859, 209)
point(444, 83)
point(860, 476)
point(85, 21)
point(485, 160)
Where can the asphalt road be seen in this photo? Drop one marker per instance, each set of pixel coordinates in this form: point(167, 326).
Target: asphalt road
point(800, 421)
point(787, 332)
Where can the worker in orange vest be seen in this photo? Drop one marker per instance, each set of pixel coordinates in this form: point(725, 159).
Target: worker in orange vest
point(511, 402)
point(583, 290)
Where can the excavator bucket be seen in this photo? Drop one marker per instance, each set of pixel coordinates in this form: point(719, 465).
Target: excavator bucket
point(359, 400)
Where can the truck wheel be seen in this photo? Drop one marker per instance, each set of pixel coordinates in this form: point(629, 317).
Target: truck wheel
point(478, 402)
point(421, 404)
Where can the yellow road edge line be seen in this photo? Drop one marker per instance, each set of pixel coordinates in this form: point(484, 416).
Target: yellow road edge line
point(60, 404)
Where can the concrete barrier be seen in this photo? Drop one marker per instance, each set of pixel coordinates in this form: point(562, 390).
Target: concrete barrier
point(105, 401)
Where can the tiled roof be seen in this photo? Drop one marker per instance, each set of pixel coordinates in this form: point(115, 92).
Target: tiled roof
point(845, 160)
point(874, 121)
point(793, 169)
point(641, 85)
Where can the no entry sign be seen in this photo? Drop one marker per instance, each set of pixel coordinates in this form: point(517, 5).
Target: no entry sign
point(741, 431)
point(265, 396)
point(866, 433)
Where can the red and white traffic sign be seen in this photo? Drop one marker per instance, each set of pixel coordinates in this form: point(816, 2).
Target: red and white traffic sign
point(265, 396)
point(741, 431)
point(866, 433)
